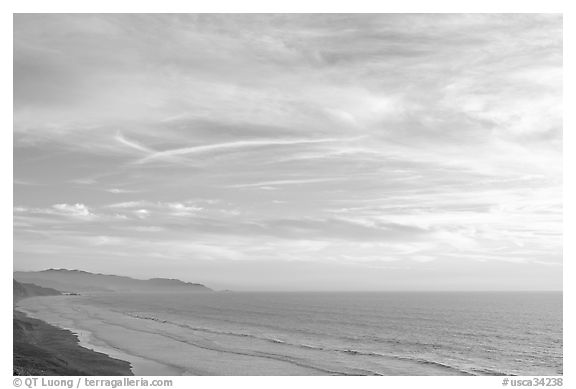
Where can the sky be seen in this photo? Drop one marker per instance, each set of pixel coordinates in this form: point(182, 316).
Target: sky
point(292, 152)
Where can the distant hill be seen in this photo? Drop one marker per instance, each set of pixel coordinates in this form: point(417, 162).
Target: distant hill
point(78, 281)
point(22, 290)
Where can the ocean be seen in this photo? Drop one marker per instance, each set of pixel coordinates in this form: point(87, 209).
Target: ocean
point(388, 333)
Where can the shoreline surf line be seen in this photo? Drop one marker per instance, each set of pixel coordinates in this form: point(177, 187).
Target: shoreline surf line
point(140, 366)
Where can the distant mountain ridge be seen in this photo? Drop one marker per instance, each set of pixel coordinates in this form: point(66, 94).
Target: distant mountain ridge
point(77, 281)
point(22, 290)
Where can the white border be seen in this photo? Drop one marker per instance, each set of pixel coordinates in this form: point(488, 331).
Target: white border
point(306, 6)
point(295, 6)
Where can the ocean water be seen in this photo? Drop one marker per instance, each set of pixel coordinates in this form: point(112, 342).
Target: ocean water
point(318, 333)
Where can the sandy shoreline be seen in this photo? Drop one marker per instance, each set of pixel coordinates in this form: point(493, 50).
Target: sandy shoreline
point(156, 343)
point(86, 339)
point(155, 348)
point(140, 366)
point(43, 349)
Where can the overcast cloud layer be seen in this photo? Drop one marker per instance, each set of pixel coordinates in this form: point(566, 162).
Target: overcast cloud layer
point(292, 152)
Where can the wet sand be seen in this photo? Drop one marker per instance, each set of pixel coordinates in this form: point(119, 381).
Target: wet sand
point(147, 345)
point(42, 349)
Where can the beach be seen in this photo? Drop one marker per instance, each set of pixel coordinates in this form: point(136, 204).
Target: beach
point(316, 334)
point(42, 349)
point(148, 351)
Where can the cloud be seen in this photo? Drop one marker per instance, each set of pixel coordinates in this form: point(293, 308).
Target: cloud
point(133, 145)
point(75, 210)
point(120, 191)
point(269, 185)
point(231, 146)
point(142, 213)
point(368, 140)
point(24, 182)
point(130, 204)
point(173, 208)
point(180, 209)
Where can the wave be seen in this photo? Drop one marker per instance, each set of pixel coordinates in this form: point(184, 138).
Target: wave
point(306, 346)
point(258, 354)
point(441, 365)
point(421, 361)
point(361, 338)
point(491, 372)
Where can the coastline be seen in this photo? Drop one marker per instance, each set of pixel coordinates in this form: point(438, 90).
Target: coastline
point(123, 362)
point(183, 358)
point(42, 349)
point(138, 329)
point(140, 366)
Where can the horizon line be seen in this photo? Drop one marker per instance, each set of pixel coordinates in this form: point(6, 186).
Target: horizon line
point(322, 291)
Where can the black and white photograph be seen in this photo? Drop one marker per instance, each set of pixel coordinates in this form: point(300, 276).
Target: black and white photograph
point(288, 194)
